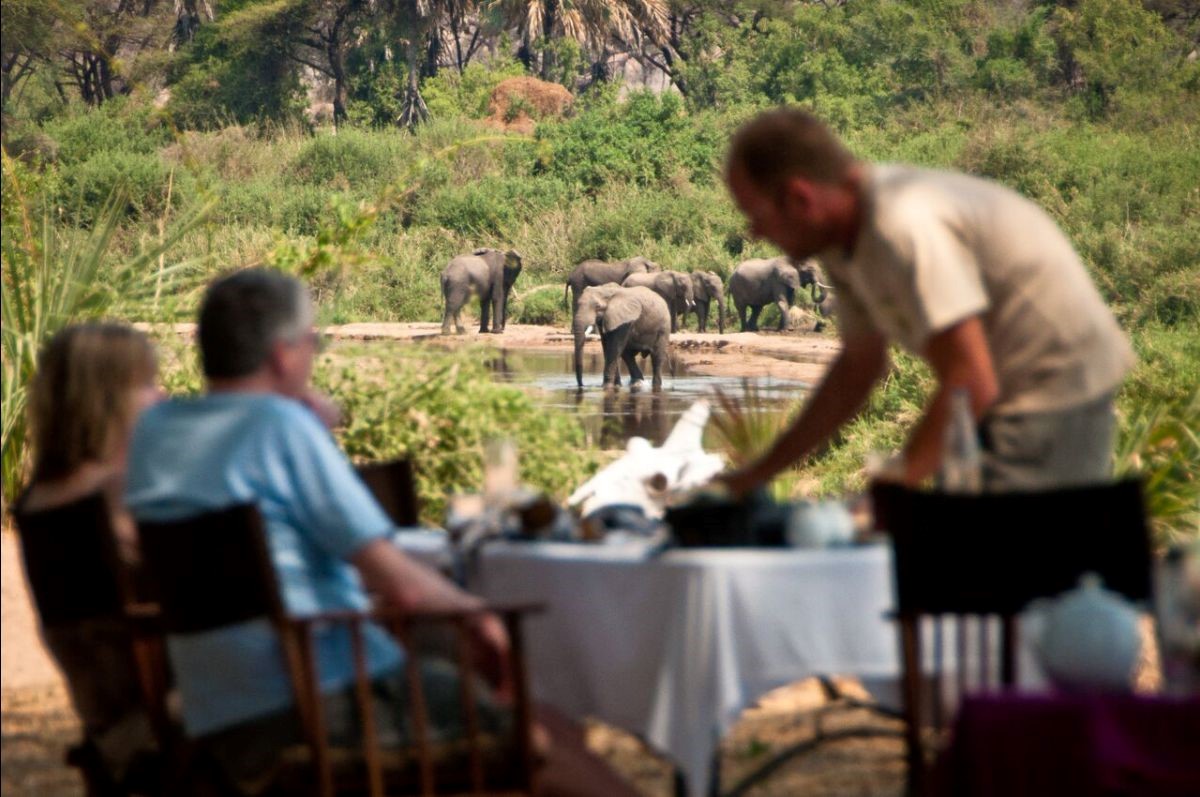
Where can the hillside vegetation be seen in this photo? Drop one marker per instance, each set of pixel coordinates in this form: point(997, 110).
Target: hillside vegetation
point(1091, 108)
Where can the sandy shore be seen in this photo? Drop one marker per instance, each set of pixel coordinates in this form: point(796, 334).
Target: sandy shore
point(780, 355)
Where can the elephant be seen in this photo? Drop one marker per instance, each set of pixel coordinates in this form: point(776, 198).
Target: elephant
point(810, 277)
point(674, 286)
point(488, 273)
point(598, 272)
point(826, 306)
point(707, 287)
point(630, 321)
point(759, 282)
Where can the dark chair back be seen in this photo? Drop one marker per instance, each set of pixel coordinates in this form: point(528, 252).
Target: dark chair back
point(77, 574)
point(395, 488)
point(211, 570)
point(71, 560)
point(966, 565)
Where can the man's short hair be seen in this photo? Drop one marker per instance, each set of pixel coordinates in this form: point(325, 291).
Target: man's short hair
point(243, 315)
point(787, 142)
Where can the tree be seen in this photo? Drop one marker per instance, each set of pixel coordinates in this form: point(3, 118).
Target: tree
point(594, 24)
point(106, 38)
point(414, 21)
point(30, 34)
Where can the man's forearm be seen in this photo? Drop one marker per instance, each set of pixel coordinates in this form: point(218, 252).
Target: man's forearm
point(399, 580)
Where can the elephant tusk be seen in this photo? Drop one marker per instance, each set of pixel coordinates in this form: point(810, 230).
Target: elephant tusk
point(590, 332)
point(823, 285)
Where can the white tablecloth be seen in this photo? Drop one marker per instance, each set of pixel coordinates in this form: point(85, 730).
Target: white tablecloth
point(674, 648)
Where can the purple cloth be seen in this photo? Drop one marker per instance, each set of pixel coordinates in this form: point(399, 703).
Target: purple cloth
point(1066, 745)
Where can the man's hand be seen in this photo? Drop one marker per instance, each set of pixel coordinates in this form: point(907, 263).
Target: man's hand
point(740, 482)
point(492, 648)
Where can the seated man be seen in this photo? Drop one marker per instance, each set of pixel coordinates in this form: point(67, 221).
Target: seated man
point(256, 437)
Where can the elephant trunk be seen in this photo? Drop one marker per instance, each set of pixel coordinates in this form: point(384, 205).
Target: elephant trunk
point(579, 339)
point(818, 292)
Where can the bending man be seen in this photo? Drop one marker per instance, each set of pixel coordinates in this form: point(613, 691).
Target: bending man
point(960, 271)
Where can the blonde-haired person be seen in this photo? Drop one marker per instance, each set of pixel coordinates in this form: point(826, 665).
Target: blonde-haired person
point(92, 382)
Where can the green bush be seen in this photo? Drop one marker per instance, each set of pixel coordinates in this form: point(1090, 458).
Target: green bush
point(351, 159)
point(542, 305)
point(141, 178)
point(489, 207)
point(440, 410)
point(645, 141)
point(450, 94)
point(118, 126)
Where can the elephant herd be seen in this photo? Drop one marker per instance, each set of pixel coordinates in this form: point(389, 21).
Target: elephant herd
point(632, 304)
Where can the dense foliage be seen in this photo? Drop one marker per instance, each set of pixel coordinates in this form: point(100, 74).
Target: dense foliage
point(1090, 108)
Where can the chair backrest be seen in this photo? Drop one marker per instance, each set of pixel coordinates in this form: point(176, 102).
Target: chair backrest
point(994, 553)
point(77, 574)
point(211, 570)
point(71, 561)
point(394, 487)
point(966, 565)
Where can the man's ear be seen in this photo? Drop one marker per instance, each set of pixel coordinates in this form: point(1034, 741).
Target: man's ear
point(277, 358)
point(797, 194)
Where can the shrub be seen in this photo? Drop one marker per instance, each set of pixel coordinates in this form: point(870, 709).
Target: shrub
point(440, 410)
point(351, 159)
point(140, 178)
point(645, 141)
point(488, 207)
point(542, 304)
point(118, 125)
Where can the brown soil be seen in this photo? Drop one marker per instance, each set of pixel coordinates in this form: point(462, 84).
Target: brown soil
point(519, 103)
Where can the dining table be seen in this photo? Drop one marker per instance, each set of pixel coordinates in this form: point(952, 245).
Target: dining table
point(673, 645)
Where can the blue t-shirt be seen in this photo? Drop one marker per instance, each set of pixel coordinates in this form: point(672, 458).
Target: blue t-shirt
point(195, 455)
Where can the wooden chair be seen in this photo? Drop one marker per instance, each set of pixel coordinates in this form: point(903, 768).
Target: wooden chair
point(215, 570)
point(76, 575)
point(395, 488)
point(972, 563)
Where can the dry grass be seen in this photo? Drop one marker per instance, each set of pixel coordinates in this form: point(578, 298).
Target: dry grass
point(38, 726)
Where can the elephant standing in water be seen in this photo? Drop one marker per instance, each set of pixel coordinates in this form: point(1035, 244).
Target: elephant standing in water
point(630, 321)
point(597, 272)
point(674, 286)
point(487, 273)
point(708, 287)
point(759, 282)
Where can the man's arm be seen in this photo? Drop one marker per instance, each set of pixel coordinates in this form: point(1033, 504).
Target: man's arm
point(400, 581)
point(960, 358)
point(839, 398)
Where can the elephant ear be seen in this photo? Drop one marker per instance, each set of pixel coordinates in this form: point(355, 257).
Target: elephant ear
point(622, 309)
point(512, 257)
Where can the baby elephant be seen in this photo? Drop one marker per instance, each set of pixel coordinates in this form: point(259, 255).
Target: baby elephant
point(487, 273)
point(707, 288)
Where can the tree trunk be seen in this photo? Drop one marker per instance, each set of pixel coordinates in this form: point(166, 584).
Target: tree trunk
point(413, 110)
point(548, 23)
point(337, 69)
point(433, 54)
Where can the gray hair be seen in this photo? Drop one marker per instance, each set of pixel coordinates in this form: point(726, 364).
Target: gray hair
point(244, 314)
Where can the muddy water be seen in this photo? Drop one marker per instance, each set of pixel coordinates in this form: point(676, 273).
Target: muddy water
point(611, 417)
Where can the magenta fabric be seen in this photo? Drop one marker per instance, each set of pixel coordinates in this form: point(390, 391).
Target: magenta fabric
point(1068, 745)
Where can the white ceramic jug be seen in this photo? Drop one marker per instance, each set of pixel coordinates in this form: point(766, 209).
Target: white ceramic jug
point(1088, 638)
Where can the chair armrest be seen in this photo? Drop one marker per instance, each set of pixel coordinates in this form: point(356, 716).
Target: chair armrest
point(144, 618)
point(391, 613)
